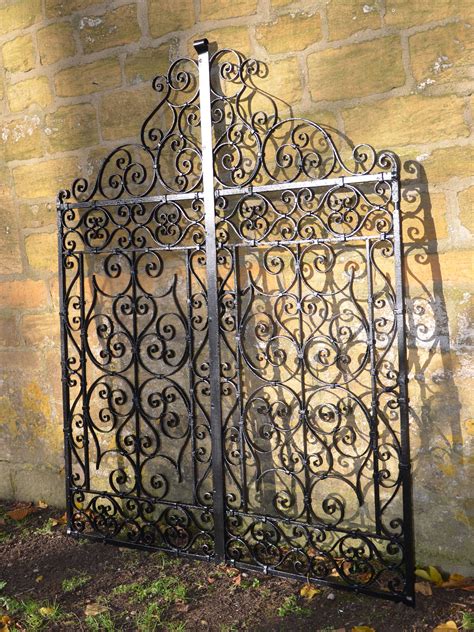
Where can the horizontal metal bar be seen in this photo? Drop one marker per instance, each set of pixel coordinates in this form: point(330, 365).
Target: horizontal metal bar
point(306, 184)
point(307, 242)
point(246, 190)
point(125, 251)
point(317, 525)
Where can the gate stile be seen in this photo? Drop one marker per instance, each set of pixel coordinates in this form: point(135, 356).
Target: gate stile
point(233, 341)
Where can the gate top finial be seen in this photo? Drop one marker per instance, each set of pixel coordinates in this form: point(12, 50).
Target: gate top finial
point(201, 46)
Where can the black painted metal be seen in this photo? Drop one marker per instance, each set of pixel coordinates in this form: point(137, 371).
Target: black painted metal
point(233, 341)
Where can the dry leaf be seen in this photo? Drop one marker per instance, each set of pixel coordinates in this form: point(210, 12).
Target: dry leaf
point(362, 628)
point(424, 588)
point(308, 591)
point(457, 581)
point(211, 580)
point(431, 575)
point(46, 611)
point(446, 627)
point(20, 513)
point(93, 609)
point(39, 579)
point(42, 504)
point(237, 580)
point(61, 520)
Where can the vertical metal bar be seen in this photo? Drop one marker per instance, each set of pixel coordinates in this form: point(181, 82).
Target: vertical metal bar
point(405, 466)
point(192, 386)
point(136, 374)
point(374, 436)
point(202, 48)
point(85, 408)
point(64, 371)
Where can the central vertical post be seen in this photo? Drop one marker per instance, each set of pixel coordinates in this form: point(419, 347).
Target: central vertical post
point(202, 49)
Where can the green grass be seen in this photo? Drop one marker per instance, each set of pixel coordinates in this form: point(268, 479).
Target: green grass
point(73, 583)
point(150, 618)
point(100, 623)
point(290, 606)
point(46, 529)
point(166, 589)
point(467, 621)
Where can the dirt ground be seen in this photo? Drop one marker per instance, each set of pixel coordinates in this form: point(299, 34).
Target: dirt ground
point(49, 581)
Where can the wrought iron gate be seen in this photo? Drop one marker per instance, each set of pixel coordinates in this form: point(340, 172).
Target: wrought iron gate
point(234, 370)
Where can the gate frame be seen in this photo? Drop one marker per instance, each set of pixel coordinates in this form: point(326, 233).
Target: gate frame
point(208, 195)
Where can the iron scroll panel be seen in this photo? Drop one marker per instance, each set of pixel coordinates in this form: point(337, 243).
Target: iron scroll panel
point(233, 341)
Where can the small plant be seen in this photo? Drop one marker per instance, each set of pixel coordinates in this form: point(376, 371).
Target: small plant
point(3, 583)
point(149, 619)
point(124, 589)
point(167, 589)
point(175, 626)
point(290, 606)
point(36, 615)
point(100, 623)
point(467, 621)
point(73, 583)
point(46, 529)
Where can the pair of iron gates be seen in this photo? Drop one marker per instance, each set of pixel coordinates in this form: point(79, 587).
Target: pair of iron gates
point(233, 340)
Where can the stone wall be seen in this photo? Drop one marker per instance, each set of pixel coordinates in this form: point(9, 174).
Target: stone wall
point(75, 82)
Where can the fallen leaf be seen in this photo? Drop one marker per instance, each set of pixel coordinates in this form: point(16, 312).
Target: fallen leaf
point(39, 579)
point(42, 504)
point(46, 611)
point(470, 588)
point(308, 591)
point(56, 521)
point(424, 588)
point(362, 628)
point(20, 513)
point(93, 609)
point(211, 580)
point(446, 627)
point(435, 575)
point(457, 581)
point(237, 580)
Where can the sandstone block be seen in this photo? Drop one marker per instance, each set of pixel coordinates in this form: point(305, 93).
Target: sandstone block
point(406, 120)
point(121, 114)
point(220, 9)
point(23, 138)
point(71, 127)
point(113, 28)
point(41, 251)
point(407, 13)
point(351, 17)
point(147, 63)
point(442, 55)
point(357, 70)
point(19, 14)
point(60, 8)
point(34, 91)
point(45, 179)
point(466, 208)
point(56, 42)
point(25, 294)
point(40, 329)
point(165, 16)
point(88, 78)
point(291, 32)
point(236, 37)
point(19, 54)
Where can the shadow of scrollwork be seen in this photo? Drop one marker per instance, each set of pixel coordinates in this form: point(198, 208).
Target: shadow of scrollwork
point(311, 387)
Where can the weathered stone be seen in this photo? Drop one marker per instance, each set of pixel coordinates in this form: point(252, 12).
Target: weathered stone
point(23, 138)
point(406, 120)
point(166, 16)
point(236, 37)
point(45, 179)
point(19, 54)
point(220, 9)
point(281, 3)
point(39, 329)
point(41, 251)
point(356, 70)
point(59, 8)
point(19, 14)
point(37, 215)
point(34, 91)
point(424, 217)
point(121, 114)
point(147, 63)
point(9, 331)
point(72, 126)
point(113, 28)
point(442, 55)
point(466, 208)
point(352, 17)
point(93, 77)
point(10, 254)
point(56, 42)
point(283, 81)
point(408, 13)
point(25, 294)
point(451, 162)
point(291, 32)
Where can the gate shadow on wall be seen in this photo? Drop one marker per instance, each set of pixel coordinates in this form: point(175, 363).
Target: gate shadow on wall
point(266, 320)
